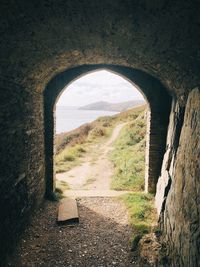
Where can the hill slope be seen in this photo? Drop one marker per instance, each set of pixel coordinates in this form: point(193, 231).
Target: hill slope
point(71, 146)
point(122, 106)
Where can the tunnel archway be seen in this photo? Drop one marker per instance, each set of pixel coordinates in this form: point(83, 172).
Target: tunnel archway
point(41, 39)
point(159, 102)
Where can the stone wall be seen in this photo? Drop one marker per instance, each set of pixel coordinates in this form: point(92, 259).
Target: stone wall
point(173, 135)
point(156, 131)
point(22, 160)
point(178, 189)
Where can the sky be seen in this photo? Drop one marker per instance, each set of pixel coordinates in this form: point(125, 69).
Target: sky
point(98, 86)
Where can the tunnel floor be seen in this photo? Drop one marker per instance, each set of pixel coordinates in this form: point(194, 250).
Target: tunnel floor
point(102, 237)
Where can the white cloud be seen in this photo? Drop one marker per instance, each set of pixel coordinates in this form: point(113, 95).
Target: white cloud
point(98, 86)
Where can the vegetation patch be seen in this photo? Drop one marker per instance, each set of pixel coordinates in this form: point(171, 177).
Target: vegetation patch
point(72, 138)
point(97, 132)
point(141, 212)
point(57, 195)
point(89, 181)
point(62, 185)
point(128, 155)
point(68, 158)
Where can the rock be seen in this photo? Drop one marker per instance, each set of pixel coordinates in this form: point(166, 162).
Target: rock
point(179, 218)
point(149, 250)
point(135, 242)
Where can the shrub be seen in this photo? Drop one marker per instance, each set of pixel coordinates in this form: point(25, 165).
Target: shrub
point(68, 158)
point(81, 149)
point(97, 132)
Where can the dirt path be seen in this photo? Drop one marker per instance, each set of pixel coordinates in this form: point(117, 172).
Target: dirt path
point(101, 239)
point(93, 177)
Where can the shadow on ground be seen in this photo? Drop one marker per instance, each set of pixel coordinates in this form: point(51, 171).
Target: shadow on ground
point(102, 238)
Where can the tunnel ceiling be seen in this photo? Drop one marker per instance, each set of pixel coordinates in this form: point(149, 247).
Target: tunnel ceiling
point(41, 38)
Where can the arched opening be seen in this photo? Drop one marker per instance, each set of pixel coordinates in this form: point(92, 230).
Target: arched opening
point(159, 106)
point(99, 138)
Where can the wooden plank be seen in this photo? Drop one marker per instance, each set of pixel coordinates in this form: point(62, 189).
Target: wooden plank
point(68, 211)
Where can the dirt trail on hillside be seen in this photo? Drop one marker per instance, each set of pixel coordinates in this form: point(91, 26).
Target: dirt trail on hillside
point(93, 176)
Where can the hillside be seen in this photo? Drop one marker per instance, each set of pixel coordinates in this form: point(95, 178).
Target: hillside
point(122, 106)
point(79, 135)
point(71, 146)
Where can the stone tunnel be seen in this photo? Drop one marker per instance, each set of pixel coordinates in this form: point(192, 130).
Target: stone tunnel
point(45, 45)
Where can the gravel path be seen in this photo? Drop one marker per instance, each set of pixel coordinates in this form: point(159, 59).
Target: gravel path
point(101, 239)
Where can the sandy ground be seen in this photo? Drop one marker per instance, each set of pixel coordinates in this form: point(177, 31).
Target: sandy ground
point(93, 176)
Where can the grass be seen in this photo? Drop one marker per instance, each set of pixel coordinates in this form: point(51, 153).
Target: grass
point(62, 185)
point(89, 181)
point(57, 194)
point(128, 156)
point(68, 158)
point(97, 132)
point(70, 155)
point(141, 212)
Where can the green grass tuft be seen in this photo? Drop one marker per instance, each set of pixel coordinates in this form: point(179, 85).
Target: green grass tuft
point(141, 211)
point(68, 158)
point(128, 156)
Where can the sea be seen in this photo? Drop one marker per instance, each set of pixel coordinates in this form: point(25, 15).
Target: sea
point(69, 119)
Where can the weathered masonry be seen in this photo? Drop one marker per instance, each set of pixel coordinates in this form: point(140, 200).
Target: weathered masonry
point(46, 44)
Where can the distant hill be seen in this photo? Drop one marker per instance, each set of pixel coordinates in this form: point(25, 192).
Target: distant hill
point(122, 106)
point(67, 107)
